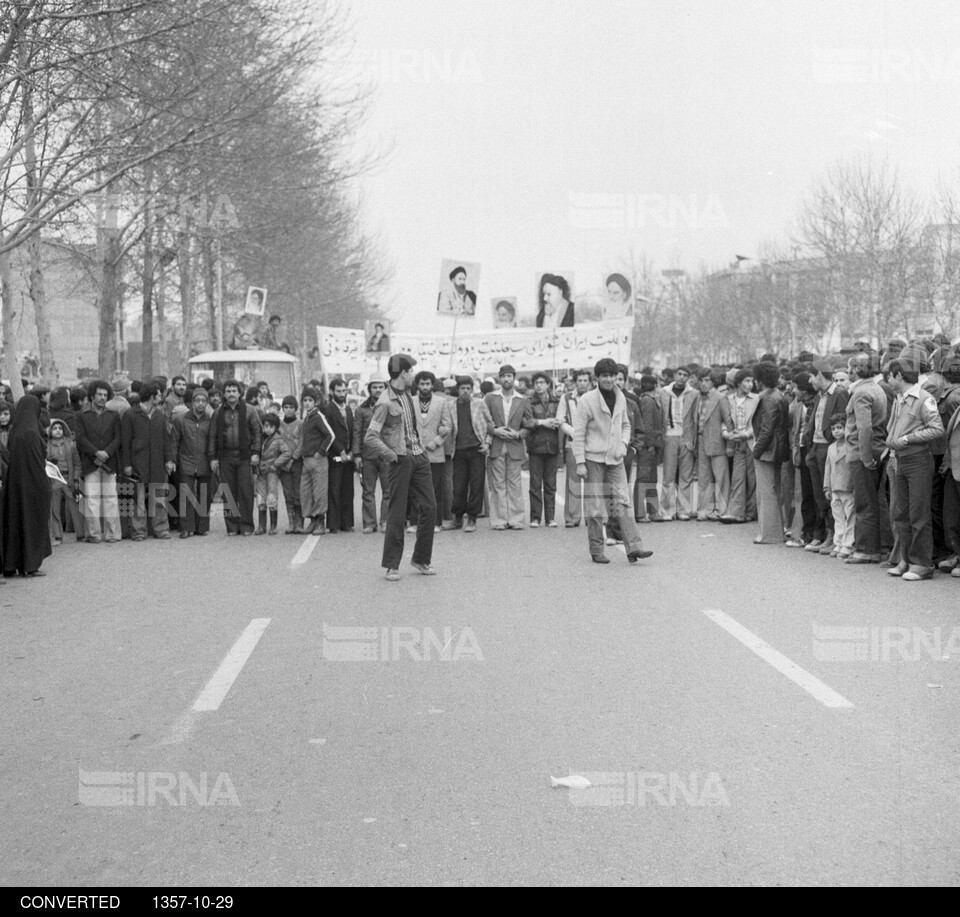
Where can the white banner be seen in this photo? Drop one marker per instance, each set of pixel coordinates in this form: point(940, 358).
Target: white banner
point(343, 350)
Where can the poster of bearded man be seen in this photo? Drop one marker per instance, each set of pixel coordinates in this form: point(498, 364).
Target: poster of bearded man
point(459, 282)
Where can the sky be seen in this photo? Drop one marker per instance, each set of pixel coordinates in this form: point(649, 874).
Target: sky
point(537, 137)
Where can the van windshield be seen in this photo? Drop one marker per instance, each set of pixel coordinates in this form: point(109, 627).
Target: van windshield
point(279, 376)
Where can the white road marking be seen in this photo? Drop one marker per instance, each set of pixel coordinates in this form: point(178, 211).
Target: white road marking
point(216, 690)
point(810, 683)
point(306, 549)
point(220, 682)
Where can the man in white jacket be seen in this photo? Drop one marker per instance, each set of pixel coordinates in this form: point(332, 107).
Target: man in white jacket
point(601, 434)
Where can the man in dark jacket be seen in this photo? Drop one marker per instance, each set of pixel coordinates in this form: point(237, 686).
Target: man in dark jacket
point(234, 451)
point(316, 439)
point(98, 441)
point(543, 449)
point(187, 451)
point(865, 442)
point(340, 477)
point(648, 444)
point(143, 432)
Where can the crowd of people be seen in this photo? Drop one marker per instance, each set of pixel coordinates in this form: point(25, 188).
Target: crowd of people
point(854, 457)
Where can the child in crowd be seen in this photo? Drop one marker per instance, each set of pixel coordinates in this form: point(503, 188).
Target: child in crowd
point(838, 488)
point(6, 413)
point(62, 452)
point(275, 457)
point(290, 478)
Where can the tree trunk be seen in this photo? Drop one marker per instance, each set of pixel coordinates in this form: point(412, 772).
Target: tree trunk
point(49, 371)
point(185, 270)
point(109, 297)
point(9, 368)
point(146, 338)
point(209, 284)
point(218, 294)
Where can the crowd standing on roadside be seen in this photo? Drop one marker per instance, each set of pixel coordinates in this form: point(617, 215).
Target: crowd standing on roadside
point(855, 457)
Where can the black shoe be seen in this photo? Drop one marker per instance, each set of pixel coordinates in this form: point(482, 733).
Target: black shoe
point(634, 556)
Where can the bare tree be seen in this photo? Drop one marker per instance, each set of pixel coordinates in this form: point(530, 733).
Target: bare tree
point(866, 227)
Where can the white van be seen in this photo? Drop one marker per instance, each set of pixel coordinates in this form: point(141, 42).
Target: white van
point(279, 370)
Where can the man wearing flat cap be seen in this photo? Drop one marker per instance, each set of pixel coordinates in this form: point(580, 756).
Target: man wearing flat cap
point(457, 300)
point(601, 434)
point(394, 435)
point(508, 417)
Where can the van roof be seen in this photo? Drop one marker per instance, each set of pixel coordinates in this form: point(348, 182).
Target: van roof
point(243, 356)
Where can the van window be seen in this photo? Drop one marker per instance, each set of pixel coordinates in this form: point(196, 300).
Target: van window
point(279, 376)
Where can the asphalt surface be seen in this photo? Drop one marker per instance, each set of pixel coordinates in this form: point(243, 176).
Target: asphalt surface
point(430, 761)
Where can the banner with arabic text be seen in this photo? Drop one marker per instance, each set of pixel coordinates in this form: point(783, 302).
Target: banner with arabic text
point(343, 351)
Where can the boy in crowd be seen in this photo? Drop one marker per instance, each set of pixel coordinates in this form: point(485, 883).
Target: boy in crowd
point(838, 489)
point(290, 477)
point(62, 452)
point(275, 457)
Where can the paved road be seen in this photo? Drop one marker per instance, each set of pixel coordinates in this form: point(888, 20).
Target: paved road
point(428, 760)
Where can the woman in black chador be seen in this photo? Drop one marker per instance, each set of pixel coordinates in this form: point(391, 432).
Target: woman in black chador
point(26, 494)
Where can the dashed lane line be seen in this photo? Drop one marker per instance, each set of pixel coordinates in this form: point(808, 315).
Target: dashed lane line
point(220, 682)
point(799, 676)
point(305, 550)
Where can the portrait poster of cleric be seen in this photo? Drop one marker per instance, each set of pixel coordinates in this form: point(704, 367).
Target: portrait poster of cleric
point(459, 282)
point(256, 302)
point(555, 300)
point(377, 335)
point(617, 297)
point(504, 309)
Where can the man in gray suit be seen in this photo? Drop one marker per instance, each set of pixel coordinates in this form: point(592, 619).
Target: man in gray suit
point(508, 414)
point(713, 472)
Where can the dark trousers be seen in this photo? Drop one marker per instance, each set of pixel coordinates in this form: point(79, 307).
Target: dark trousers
point(913, 519)
point(788, 485)
point(173, 489)
point(340, 497)
point(193, 505)
point(543, 487)
point(410, 478)
point(290, 482)
point(887, 508)
point(816, 462)
point(236, 479)
point(808, 506)
point(373, 470)
point(447, 512)
point(437, 474)
point(866, 504)
point(469, 477)
point(940, 549)
point(951, 512)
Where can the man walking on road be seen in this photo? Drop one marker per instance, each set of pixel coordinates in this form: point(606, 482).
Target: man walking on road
point(601, 435)
point(393, 436)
